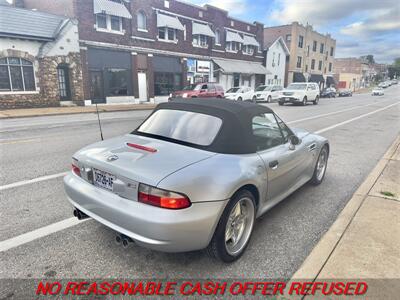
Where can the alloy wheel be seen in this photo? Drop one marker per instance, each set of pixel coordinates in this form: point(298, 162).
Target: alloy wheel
point(239, 226)
point(321, 164)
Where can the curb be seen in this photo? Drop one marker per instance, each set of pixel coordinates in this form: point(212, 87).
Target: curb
point(318, 257)
point(101, 110)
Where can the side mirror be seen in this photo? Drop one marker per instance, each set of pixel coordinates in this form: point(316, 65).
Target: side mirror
point(293, 141)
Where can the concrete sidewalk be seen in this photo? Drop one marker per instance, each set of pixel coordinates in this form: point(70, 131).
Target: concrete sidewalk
point(47, 111)
point(364, 241)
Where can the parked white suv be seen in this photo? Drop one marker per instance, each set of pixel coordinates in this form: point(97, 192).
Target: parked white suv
point(300, 93)
point(239, 93)
point(267, 93)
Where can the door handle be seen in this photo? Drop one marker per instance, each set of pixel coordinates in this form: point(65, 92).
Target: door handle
point(273, 164)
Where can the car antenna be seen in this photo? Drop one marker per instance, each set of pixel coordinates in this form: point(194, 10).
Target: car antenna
point(98, 119)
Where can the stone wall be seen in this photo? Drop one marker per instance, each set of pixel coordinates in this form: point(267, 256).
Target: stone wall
point(47, 91)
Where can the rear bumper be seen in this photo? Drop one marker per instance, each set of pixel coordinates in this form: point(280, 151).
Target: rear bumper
point(152, 227)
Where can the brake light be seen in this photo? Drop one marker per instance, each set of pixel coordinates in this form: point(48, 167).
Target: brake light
point(75, 169)
point(162, 198)
point(141, 147)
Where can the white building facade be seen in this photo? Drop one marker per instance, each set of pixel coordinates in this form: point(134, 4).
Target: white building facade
point(275, 61)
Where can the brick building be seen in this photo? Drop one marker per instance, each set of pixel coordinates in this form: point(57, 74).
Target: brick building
point(142, 50)
point(40, 62)
point(311, 53)
point(352, 73)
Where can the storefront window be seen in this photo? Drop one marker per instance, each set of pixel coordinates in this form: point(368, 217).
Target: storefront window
point(166, 83)
point(117, 82)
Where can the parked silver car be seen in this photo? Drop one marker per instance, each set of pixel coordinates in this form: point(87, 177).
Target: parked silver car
point(195, 174)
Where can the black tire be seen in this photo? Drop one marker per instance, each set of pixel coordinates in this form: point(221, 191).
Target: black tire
point(281, 103)
point(240, 99)
point(269, 99)
point(315, 179)
point(304, 103)
point(315, 102)
point(254, 99)
point(217, 247)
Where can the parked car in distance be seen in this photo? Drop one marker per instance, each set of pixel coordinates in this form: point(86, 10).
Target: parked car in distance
point(384, 84)
point(195, 174)
point(200, 90)
point(239, 93)
point(328, 93)
point(267, 93)
point(395, 81)
point(378, 91)
point(345, 93)
point(300, 93)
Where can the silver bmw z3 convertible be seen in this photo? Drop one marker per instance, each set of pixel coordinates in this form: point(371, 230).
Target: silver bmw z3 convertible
point(195, 174)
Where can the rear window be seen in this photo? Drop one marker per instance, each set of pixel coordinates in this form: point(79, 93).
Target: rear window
point(185, 126)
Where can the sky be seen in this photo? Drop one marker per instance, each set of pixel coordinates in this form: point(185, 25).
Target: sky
point(360, 27)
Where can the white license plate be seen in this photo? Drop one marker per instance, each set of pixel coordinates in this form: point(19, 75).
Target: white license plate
point(287, 98)
point(103, 179)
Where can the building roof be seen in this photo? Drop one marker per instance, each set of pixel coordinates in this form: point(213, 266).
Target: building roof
point(269, 43)
point(29, 24)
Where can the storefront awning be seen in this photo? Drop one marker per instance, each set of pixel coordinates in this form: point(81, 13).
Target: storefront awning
point(245, 67)
point(111, 8)
point(169, 21)
point(316, 78)
point(233, 37)
point(250, 40)
point(203, 29)
point(298, 77)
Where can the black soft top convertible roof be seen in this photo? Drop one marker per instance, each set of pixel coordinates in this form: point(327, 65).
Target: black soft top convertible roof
point(236, 134)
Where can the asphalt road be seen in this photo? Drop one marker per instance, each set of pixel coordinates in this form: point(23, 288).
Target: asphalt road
point(360, 129)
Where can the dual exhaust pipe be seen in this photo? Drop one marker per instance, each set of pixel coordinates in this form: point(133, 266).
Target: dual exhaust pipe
point(120, 239)
point(123, 240)
point(80, 215)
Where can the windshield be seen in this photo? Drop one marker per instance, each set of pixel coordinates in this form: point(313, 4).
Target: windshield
point(233, 90)
point(296, 86)
point(190, 127)
point(264, 88)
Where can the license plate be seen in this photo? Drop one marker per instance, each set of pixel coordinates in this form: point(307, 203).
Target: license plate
point(287, 98)
point(103, 179)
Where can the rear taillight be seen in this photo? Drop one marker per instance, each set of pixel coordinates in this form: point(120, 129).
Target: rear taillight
point(75, 169)
point(162, 198)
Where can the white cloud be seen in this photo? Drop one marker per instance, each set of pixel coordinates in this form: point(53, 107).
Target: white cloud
point(381, 22)
point(323, 12)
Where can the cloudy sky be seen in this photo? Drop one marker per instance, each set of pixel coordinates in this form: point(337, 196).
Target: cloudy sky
point(360, 27)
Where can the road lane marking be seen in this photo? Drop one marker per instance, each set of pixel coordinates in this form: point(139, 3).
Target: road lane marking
point(67, 223)
point(355, 119)
point(333, 113)
point(10, 142)
point(38, 233)
point(30, 181)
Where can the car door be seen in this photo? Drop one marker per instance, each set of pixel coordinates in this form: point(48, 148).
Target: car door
point(204, 92)
point(285, 166)
point(275, 92)
point(211, 91)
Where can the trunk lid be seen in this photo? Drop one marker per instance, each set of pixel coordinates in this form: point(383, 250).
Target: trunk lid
point(137, 164)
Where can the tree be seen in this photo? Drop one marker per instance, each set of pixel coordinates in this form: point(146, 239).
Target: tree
point(394, 69)
point(369, 58)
